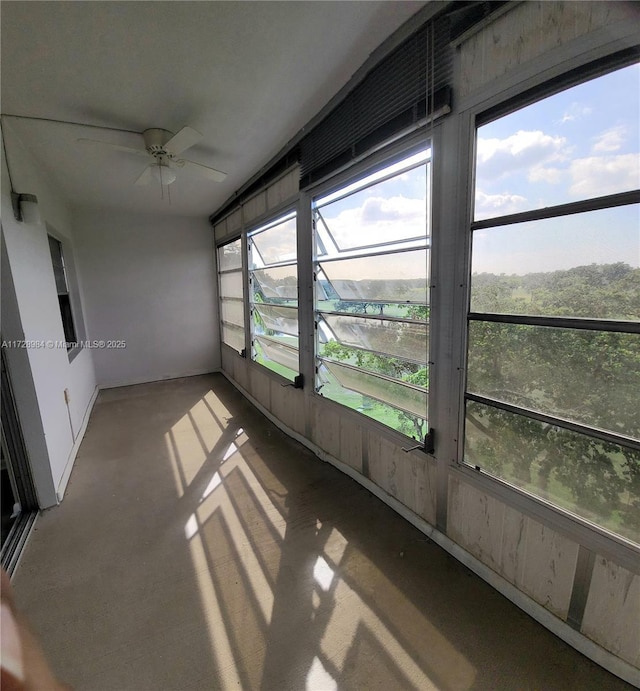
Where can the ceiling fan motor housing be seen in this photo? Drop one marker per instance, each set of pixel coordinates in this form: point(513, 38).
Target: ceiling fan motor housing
point(155, 139)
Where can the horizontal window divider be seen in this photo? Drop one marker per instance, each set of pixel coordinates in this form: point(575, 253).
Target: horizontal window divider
point(386, 252)
point(381, 400)
point(268, 303)
point(386, 377)
point(377, 302)
point(232, 325)
point(379, 317)
point(353, 189)
point(257, 231)
point(595, 432)
point(275, 265)
point(224, 298)
point(292, 308)
point(632, 327)
point(606, 202)
point(276, 341)
point(230, 239)
point(423, 363)
point(359, 248)
point(237, 270)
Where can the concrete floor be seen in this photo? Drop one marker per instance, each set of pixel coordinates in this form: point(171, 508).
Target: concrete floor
point(198, 547)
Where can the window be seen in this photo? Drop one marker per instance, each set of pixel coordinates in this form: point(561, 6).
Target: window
point(273, 295)
point(62, 287)
point(231, 294)
point(371, 295)
point(553, 370)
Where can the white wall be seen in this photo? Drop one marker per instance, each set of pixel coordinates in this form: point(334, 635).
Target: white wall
point(149, 281)
point(29, 257)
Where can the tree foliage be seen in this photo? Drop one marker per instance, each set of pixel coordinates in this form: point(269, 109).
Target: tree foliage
point(397, 368)
point(590, 377)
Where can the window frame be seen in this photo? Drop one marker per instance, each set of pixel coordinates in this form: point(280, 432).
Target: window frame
point(242, 301)
point(404, 148)
point(72, 293)
point(260, 225)
point(589, 532)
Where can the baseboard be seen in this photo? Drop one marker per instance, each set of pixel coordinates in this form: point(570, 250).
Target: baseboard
point(64, 480)
point(574, 638)
point(151, 380)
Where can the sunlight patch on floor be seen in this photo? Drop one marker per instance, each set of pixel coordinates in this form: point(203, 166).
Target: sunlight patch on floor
point(318, 679)
point(323, 574)
point(236, 537)
point(215, 481)
point(229, 677)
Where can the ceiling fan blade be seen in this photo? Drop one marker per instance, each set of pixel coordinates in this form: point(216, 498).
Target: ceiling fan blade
point(118, 147)
point(182, 140)
point(145, 177)
point(211, 173)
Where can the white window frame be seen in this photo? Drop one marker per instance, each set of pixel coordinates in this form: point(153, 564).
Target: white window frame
point(221, 298)
point(513, 99)
point(255, 230)
point(340, 184)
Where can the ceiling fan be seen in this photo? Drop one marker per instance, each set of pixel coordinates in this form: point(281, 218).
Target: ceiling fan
point(164, 147)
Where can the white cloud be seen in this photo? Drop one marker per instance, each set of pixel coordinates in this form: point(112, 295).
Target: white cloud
point(379, 219)
point(489, 205)
point(392, 209)
point(598, 175)
point(278, 243)
point(576, 111)
point(546, 174)
point(524, 149)
point(610, 140)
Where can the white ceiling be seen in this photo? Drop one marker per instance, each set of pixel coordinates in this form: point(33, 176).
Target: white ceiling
point(247, 75)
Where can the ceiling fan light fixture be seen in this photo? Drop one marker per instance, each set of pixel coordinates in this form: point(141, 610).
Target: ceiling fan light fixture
point(163, 173)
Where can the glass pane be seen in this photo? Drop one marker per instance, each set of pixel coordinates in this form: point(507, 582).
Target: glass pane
point(284, 355)
point(397, 339)
point(260, 357)
point(230, 256)
point(412, 425)
point(593, 479)
point(279, 283)
point(393, 393)
point(233, 336)
point(393, 209)
point(578, 144)
point(231, 285)
point(232, 311)
point(399, 277)
point(276, 244)
point(583, 265)
point(592, 377)
point(55, 247)
point(277, 319)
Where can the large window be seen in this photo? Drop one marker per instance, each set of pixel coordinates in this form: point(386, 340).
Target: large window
point(553, 370)
point(273, 295)
point(372, 297)
point(231, 294)
point(62, 288)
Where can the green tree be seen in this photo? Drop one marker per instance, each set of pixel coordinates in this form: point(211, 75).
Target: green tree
point(587, 376)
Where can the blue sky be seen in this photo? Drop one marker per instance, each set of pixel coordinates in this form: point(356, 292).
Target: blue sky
point(577, 144)
point(390, 209)
point(581, 143)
